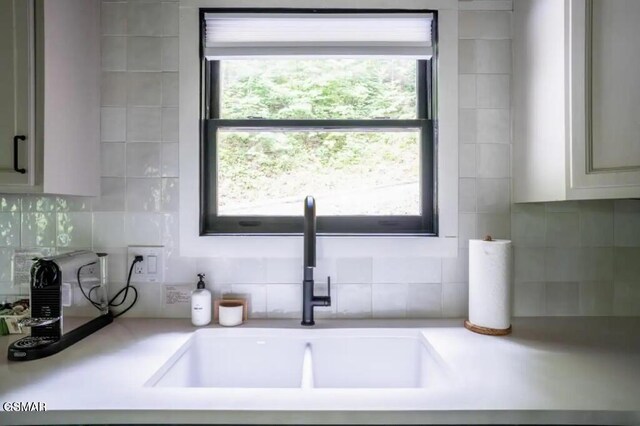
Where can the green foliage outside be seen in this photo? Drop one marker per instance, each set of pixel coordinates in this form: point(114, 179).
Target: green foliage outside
point(260, 167)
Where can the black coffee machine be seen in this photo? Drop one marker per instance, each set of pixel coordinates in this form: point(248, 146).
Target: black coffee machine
point(72, 284)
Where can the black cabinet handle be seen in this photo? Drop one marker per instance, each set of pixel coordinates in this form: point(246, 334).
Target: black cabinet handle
point(16, 139)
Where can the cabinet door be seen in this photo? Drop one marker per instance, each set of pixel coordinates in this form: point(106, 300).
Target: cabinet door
point(606, 116)
point(16, 91)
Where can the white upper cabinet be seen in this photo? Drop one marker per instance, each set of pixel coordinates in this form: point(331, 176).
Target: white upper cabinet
point(16, 97)
point(50, 96)
point(576, 100)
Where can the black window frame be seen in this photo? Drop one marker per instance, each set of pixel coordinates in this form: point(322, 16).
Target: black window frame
point(425, 122)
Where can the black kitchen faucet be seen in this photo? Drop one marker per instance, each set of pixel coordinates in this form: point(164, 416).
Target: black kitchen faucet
point(309, 301)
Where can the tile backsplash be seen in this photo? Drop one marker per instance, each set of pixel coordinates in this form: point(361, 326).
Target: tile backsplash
point(571, 258)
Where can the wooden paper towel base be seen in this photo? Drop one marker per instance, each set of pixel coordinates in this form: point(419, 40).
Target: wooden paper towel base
point(486, 330)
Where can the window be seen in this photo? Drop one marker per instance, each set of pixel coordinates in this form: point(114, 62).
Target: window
point(334, 104)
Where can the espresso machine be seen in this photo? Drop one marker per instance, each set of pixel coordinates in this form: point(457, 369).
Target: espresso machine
point(68, 301)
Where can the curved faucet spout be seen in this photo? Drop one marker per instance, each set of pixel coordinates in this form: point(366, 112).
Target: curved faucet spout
point(309, 232)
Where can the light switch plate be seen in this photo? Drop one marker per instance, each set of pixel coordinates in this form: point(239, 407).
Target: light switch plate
point(151, 269)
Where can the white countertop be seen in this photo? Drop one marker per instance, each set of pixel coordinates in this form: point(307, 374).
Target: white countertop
point(550, 370)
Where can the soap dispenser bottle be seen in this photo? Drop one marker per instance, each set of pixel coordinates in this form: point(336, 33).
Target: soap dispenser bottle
point(200, 304)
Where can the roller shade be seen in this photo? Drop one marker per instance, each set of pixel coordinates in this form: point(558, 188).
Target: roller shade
point(239, 35)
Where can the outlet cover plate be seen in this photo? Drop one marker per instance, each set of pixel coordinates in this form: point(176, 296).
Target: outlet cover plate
point(151, 269)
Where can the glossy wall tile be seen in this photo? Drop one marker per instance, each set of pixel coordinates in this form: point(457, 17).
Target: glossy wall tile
point(571, 258)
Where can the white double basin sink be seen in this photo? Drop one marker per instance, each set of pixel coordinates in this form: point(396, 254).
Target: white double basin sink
point(304, 359)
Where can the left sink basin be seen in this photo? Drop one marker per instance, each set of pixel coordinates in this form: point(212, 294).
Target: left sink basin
point(221, 361)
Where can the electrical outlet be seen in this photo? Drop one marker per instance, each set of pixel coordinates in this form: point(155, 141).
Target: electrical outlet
point(151, 269)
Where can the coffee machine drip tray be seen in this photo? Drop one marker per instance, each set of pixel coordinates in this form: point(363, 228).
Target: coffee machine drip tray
point(32, 342)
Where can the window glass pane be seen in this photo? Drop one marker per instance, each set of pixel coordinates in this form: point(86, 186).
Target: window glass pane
point(349, 173)
point(318, 88)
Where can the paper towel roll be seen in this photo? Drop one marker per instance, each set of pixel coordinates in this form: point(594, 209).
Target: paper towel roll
point(490, 283)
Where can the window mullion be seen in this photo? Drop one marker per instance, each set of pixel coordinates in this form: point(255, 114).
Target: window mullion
point(293, 124)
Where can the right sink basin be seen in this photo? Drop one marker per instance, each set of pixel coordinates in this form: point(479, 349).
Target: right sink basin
point(361, 361)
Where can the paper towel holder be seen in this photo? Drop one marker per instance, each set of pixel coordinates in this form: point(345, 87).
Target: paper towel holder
point(482, 329)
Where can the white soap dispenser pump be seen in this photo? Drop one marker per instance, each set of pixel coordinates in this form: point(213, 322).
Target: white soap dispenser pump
point(201, 304)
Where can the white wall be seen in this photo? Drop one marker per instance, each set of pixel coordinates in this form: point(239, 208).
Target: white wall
point(571, 258)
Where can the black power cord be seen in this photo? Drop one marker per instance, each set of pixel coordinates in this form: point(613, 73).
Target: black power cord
point(125, 289)
point(95, 304)
point(112, 303)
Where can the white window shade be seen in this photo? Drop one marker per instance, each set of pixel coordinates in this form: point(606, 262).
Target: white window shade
point(229, 36)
